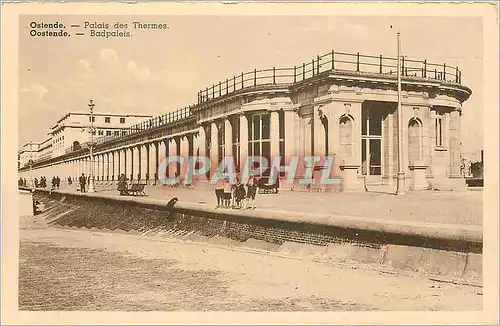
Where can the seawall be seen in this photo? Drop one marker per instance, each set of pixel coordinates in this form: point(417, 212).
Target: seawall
point(448, 251)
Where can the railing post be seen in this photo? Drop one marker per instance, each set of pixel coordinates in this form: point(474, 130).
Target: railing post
point(242, 82)
point(435, 73)
point(213, 90)
point(357, 62)
point(274, 75)
point(294, 74)
point(460, 77)
point(220, 89)
point(402, 65)
point(333, 59)
point(444, 71)
point(206, 95)
point(227, 86)
point(303, 70)
point(255, 77)
point(312, 68)
point(456, 74)
point(380, 68)
point(425, 69)
point(317, 67)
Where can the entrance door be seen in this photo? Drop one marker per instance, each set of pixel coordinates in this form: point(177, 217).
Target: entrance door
point(372, 149)
point(371, 143)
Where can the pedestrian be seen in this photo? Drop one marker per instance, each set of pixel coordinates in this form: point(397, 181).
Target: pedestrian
point(240, 194)
point(36, 183)
point(219, 192)
point(70, 181)
point(122, 184)
point(54, 182)
point(82, 183)
point(20, 182)
point(24, 182)
point(251, 192)
point(227, 193)
point(58, 182)
point(233, 193)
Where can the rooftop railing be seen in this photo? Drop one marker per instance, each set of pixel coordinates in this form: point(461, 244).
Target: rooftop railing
point(333, 61)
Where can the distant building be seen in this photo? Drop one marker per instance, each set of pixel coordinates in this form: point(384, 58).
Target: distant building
point(73, 130)
point(28, 151)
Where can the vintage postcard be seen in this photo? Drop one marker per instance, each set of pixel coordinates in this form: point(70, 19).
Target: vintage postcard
point(250, 163)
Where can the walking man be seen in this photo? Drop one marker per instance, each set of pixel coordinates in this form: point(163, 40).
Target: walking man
point(83, 181)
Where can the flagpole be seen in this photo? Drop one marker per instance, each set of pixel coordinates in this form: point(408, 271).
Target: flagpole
point(401, 174)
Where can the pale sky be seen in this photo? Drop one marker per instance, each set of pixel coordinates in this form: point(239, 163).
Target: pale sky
point(154, 72)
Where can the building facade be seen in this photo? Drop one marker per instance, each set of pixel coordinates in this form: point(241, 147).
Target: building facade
point(72, 131)
point(338, 105)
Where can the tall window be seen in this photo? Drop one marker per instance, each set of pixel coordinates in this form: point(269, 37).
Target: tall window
point(116, 133)
point(439, 131)
point(235, 127)
point(371, 140)
point(282, 138)
point(259, 143)
point(122, 120)
point(91, 119)
point(107, 119)
point(108, 133)
point(221, 141)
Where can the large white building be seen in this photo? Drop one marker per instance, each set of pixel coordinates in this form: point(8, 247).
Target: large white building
point(72, 131)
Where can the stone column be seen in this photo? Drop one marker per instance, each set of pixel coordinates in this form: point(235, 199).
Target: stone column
point(144, 167)
point(289, 135)
point(96, 167)
point(455, 143)
point(228, 138)
point(136, 163)
point(243, 140)
point(172, 151)
point(184, 154)
point(112, 166)
point(119, 163)
point(162, 154)
point(307, 123)
point(104, 165)
point(214, 148)
point(389, 173)
point(128, 163)
point(152, 161)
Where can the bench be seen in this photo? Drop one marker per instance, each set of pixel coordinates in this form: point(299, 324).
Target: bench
point(136, 189)
point(266, 188)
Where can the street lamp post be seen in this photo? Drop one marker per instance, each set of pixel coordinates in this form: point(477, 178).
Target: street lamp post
point(31, 164)
point(91, 146)
point(401, 174)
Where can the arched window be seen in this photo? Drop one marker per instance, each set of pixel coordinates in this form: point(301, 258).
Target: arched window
point(414, 140)
point(76, 145)
point(345, 130)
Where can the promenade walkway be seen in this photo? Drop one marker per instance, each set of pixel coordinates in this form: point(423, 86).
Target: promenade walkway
point(427, 206)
